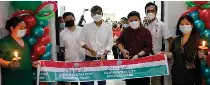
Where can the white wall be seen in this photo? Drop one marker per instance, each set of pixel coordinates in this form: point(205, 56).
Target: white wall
point(173, 10)
point(5, 12)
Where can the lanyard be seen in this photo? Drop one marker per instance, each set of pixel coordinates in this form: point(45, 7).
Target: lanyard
point(183, 52)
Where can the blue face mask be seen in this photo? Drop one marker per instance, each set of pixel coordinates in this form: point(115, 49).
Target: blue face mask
point(125, 25)
point(62, 25)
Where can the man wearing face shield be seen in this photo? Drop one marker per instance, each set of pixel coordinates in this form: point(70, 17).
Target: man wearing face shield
point(69, 40)
point(135, 42)
point(159, 32)
point(97, 38)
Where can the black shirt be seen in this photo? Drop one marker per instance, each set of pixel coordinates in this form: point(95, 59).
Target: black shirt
point(180, 74)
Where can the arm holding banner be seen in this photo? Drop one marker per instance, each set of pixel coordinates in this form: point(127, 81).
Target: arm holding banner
point(120, 42)
point(82, 40)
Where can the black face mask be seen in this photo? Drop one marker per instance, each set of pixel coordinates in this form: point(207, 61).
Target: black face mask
point(69, 23)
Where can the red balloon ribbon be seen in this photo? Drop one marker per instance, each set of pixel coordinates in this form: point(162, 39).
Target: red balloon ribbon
point(46, 3)
point(18, 13)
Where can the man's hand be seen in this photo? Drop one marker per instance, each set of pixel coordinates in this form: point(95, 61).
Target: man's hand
point(35, 64)
point(135, 57)
point(93, 52)
point(125, 53)
point(106, 52)
point(102, 57)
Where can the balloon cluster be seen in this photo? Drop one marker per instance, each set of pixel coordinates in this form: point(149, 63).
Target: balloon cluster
point(38, 30)
point(200, 12)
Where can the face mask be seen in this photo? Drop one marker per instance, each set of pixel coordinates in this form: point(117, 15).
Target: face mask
point(62, 25)
point(150, 16)
point(125, 25)
point(134, 24)
point(21, 33)
point(185, 28)
point(97, 17)
point(69, 23)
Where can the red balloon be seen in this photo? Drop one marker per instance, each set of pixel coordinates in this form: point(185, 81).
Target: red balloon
point(30, 21)
point(43, 83)
point(34, 57)
point(207, 25)
point(208, 60)
point(46, 30)
point(39, 49)
point(200, 2)
point(28, 31)
point(190, 10)
point(204, 15)
point(44, 40)
point(208, 57)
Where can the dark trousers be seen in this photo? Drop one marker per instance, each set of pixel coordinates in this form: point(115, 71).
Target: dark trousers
point(60, 57)
point(76, 83)
point(115, 52)
point(181, 84)
point(88, 58)
point(138, 81)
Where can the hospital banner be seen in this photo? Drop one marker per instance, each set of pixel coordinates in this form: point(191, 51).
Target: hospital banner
point(50, 71)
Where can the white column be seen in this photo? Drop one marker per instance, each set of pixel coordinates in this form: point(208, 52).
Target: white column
point(53, 35)
point(172, 12)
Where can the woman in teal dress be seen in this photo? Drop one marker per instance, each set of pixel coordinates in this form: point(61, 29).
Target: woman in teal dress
point(16, 71)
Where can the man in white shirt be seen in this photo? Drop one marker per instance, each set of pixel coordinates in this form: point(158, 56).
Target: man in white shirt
point(158, 31)
point(97, 38)
point(69, 40)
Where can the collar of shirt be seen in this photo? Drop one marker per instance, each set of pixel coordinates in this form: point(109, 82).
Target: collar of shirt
point(97, 37)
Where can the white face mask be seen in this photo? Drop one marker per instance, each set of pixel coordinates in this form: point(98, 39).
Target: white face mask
point(62, 25)
point(21, 33)
point(134, 24)
point(185, 28)
point(97, 17)
point(150, 16)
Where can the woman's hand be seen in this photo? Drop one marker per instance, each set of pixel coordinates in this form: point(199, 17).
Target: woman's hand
point(168, 54)
point(202, 55)
point(35, 64)
point(14, 63)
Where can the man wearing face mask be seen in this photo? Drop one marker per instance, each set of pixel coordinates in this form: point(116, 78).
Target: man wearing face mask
point(135, 42)
point(69, 40)
point(66, 16)
point(158, 31)
point(124, 22)
point(97, 38)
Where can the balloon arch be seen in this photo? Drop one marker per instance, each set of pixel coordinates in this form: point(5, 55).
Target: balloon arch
point(36, 19)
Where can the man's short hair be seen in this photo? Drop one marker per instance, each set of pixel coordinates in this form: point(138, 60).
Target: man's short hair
point(95, 8)
point(68, 14)
point(151, 4)
point(134, 13)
